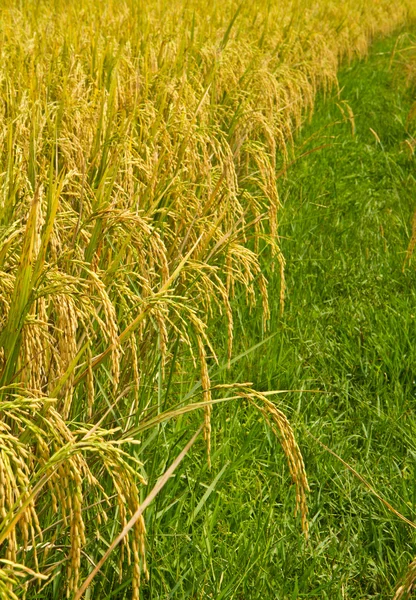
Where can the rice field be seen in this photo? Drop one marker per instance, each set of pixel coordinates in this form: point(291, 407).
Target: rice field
point(149, 209)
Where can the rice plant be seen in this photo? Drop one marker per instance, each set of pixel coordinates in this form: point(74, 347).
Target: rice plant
point(140, 149)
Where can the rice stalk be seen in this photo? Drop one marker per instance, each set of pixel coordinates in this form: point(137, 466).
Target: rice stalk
point(407, 586)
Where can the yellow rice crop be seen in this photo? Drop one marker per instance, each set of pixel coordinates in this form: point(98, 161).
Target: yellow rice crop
point(139, 149)
point(406, 588)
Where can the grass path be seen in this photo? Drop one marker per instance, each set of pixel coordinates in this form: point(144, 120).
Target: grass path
point(348, 329)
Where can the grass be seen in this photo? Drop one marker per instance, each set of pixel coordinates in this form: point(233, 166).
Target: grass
point(348, 329)
point(139, 221)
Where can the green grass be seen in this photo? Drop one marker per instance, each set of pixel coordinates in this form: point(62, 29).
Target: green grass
point(348, 330)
